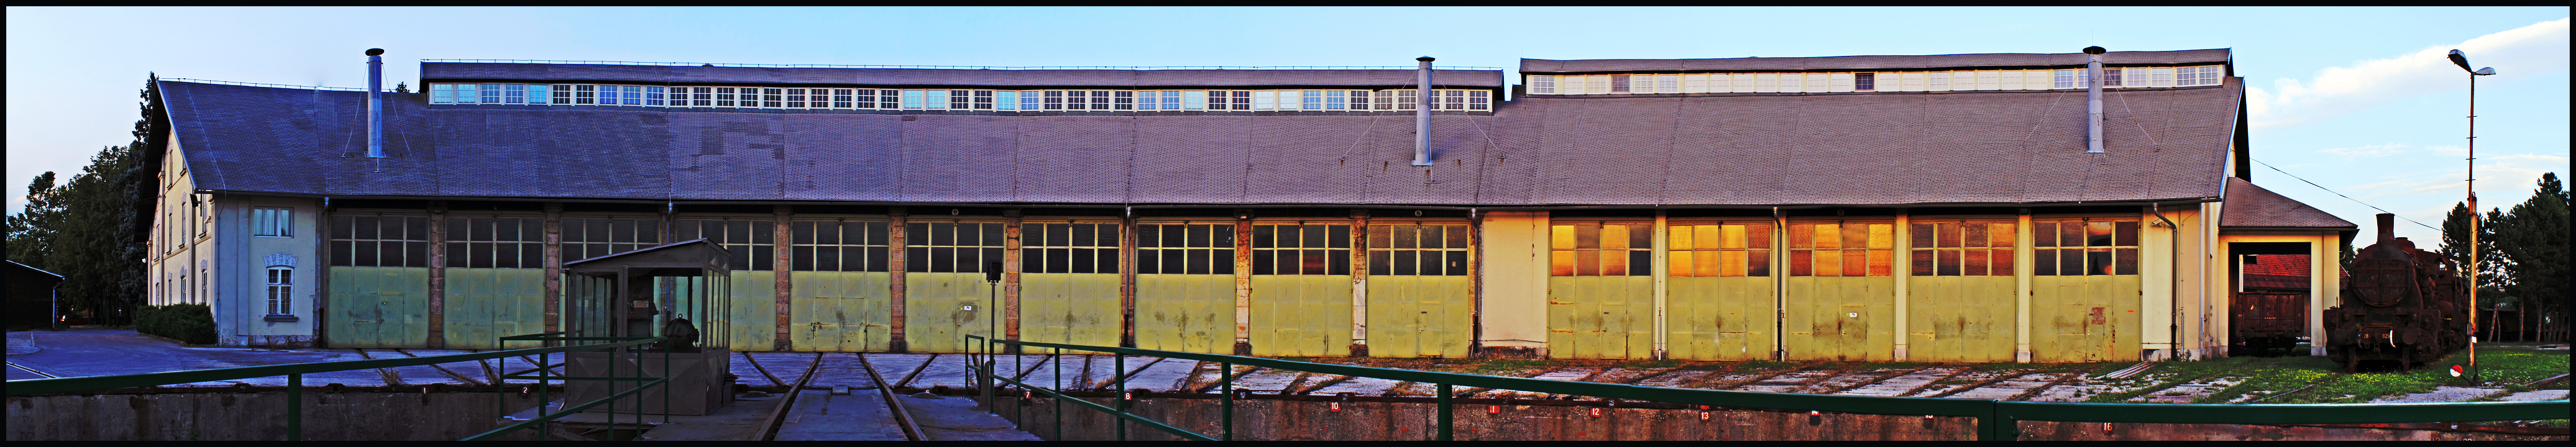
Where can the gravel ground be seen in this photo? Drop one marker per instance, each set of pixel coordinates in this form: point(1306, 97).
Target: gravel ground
point(2443, 394)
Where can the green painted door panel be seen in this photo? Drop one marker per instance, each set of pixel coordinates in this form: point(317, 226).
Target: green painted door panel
point(379, 307)
point(1418, 316)
point(1960, 318)
point(484, 305)
point(1301, 315)
point(1187, 313)
point(1839, 318)
point(1070, 308)
point(832, 311)
point(1719, 318)
point(2084, 318)
point(1600, 317)
point(940, 309)
point(755, 310)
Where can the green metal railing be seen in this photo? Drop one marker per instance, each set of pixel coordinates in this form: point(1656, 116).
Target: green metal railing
point(295, 378)
point(1996, 420)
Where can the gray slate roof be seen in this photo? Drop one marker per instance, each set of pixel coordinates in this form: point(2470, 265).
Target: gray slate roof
point(2254, 207)
point(1818, 149)
point(1870, 62)
point(950, 77)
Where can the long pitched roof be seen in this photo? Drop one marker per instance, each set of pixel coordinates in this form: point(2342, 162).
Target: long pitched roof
point(2250, 206)
point(949, 77)
point(2218, 55)
point(1817, 149)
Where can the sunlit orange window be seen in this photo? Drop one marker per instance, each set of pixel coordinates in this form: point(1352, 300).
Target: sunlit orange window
point(1963, 248)
point(1719, 249)
point(1841, 248)
point(1601, 249)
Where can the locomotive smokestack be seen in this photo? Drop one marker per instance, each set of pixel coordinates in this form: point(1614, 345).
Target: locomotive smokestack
point(2387, 227)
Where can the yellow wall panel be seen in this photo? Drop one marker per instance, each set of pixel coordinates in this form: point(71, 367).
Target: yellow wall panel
point(1187, 313)
point(1601, 317)
point(379, 307)
point(1839, 318)
point(2084, 318)
point(1070, 308)
point(1960, 318)
point(1719, 318)
point(1418, 316)
point(937, 316)
point(1301, 315)
point(831, 311)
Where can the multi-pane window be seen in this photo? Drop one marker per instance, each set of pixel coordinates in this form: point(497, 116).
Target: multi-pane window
point(487, 94)
point(1184, 249)
point(749, 241)
point(796, 98)
point(1619, 84)
point(1601, 249)
point(1841, 249)
point(1069, 248)
point(1864, 81)
point(2086, 247)
point(2111, 77)
point(585, 238)
point(1940, 80)
point(1962, 248)
point(1417, 249)
point(725, 97)
point(839, 246)
point(281, 290)
point(1542, 85)
point(276, 222)
point(951, 247)
point(2160, 77)
point(1307, 249)
point(2188, 76)
point(496, 243)
point(1006, 100)
point(773, 98)
point(1719, 249)
point(379, 241)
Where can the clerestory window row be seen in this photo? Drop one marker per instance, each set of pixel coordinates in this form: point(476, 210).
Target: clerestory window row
point(950, 99)
point(1871, 81)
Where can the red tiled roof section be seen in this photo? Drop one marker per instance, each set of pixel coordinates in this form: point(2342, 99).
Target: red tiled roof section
point(2253, 206)
point(2216, 55)
point(2277, 272)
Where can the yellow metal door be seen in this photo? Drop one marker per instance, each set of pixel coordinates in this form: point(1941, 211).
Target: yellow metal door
point(1719, 318)
point(1301, 315)
point(1418, 316)
point(486, 304)
point(1839, 318)
point(1187, 313)
point(1960, 318)
point(1597, 317)
point(1071, 308)
point(2084, 318)
point(941, 308)
point(833, 311)
point(379, 307)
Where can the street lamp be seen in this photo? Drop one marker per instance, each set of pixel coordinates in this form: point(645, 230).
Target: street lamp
point(2462, 60)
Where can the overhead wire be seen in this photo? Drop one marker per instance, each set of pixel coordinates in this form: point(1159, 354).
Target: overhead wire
point(2345, 197)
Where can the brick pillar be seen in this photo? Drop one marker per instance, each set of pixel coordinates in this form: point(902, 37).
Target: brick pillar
point(895, 235)
point(437, 275)
point(782, 289)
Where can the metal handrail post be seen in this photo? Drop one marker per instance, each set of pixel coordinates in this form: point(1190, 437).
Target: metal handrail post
point(666, 380)
point(1444, 412)
point(545, 428)
point(1225, 385)
point(294, 407)
point(1118, 376)
point(1058, 376)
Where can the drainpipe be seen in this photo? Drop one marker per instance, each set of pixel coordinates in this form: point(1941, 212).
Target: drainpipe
point(2173, 265)
point(2093, 99)
point(376, 103)
point(1422, 112)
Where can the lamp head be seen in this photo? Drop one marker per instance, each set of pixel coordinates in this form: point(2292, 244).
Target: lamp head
point(2461, 59)
point(2486, 71)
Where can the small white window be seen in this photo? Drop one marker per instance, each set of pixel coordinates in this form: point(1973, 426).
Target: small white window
point(912, 99)
point(1542, 85)
point(273, 222)
point(2011, 80)
point(2062, 79)
point(1939, 81)
point(1668, 83)
point(1815, 82)
point(539, 94)
point(281, 290)
point(1194, 100)
point(1737, 83)
point(1913, 82)
point(514, 94)
point(491, 94)
point(1766, 83)
point(468, 93)
point(1695, 83)
point(1006, 100)
point(442, 93)
point(1596, 84)
point(1990, 80)
point(1840, 82)
point(2163, 77)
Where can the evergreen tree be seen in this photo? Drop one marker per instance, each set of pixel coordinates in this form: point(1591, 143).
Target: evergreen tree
point(31, 232)
point(2455, 243)
point(91, 228)
point(2533, 239)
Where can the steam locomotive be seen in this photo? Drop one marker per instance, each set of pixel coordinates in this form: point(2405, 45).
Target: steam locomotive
point(2402, 304)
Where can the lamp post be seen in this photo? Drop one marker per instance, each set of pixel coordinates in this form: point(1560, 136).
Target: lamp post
point(2462, 60)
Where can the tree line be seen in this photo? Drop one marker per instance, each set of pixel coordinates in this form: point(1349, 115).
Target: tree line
point(2522, 263)
point(93, 228)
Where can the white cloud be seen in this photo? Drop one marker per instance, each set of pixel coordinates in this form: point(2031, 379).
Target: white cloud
point(2375, 150)
point(2501, 177)
point(2540, 48)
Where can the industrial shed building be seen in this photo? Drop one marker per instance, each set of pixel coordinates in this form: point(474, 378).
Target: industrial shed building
point(1922, 208)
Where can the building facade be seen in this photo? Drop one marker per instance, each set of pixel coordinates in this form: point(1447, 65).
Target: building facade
point(1920, 208)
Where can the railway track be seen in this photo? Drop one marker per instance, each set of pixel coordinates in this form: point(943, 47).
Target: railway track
point(805, 382)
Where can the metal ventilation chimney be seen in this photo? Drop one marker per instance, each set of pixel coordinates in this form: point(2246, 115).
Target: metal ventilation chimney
point(2387, 227)
point(2093, 99)
point(1422, 113)
point(375, 103)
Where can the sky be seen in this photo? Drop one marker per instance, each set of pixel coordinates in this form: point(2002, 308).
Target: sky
point(2359, 101)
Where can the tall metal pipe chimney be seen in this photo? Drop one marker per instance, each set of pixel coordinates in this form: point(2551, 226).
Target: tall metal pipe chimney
point(2387, 227)
point(2093, 99)
point(1422, 113)
point(376, 103)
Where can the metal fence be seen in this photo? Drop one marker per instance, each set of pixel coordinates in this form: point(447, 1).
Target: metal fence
point(295, 378)
point(1996, 420)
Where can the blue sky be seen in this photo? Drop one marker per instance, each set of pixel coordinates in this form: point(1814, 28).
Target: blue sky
point(2355, 99)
